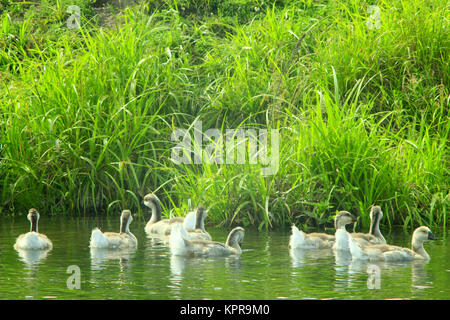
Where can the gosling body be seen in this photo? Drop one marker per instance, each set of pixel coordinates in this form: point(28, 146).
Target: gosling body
point(181, 244)
point(33, 240)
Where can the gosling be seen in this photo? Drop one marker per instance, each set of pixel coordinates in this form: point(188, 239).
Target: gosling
point(385, 252)
point(114, 240)
point(315, 240)
point(181, 244)
point(33, 240)
point(156, 225)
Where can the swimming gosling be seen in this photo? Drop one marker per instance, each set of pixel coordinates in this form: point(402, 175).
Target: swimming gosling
point(156, 225)
point(385, 252)
point(114, 240)
point(315, 240)
point(181, 245)
point(33, 240)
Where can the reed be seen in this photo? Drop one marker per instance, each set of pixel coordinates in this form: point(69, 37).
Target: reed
point(87, 114)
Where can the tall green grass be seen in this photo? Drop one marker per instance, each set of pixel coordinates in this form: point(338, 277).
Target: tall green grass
point(87, 115)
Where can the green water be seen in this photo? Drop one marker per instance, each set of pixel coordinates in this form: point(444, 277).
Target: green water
point(266, 269)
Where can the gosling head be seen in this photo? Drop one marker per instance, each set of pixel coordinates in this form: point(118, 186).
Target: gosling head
point(33, 217)
point(236, 236)
point(422, 234)
point(151, 200)
point(126, 215)
point(202, 211)
point(376, 213)
point(33, 214)
point(342, 219)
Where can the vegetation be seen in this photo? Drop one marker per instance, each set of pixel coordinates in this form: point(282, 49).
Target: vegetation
point(86, 114)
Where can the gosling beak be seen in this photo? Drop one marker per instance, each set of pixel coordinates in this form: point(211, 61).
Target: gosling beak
point(431, 236)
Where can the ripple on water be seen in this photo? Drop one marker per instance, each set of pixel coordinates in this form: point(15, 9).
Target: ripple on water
point(267, 269)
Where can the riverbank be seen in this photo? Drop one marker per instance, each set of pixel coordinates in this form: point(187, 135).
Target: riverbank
point(87, 114)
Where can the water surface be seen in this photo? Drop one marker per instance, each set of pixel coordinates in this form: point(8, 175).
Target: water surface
point(267, 268)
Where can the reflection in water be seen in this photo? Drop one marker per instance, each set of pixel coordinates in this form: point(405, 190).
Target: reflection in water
point(366, 272)
point(360, 266)
point(342, 257)
point(32, 257)
point(177, 265)
point(234, 262)
point(185, 269)
point(374, 271)
point(419, 275)
point(100, 260)
point(155, 249)
point(100, 256)
point(157, 239)
point(351, 274)
point(343, 278)
point(302, 256)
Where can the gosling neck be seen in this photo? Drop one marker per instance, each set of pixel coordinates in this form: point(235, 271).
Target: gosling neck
point(339, 225)
point(125, 226)
point(156, 212)
point(375, 227)
point(417, 247)
point(236, 247)
point(200, 221)
point(34, 223)
point(233, 242)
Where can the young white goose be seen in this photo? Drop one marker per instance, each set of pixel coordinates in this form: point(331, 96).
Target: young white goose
point(385, 252)
point(315, 240)
point(156, 225)
point(181, 245)
point(363, 239)
point(113, 240)
point(33, 240)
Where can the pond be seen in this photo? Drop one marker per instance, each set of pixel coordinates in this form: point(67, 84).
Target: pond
point(267, 268)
